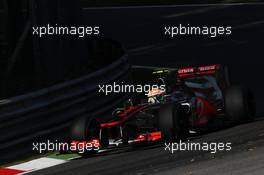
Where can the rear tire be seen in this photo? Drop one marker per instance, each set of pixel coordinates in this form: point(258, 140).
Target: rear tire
point(240, 104)
point(173, 122)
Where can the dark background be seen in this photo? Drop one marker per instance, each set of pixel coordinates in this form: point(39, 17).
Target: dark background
point(141, 31)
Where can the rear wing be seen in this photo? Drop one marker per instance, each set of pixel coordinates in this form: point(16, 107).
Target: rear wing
point(198, 71)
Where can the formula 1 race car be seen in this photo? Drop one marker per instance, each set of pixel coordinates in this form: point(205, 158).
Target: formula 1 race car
point(193, 98)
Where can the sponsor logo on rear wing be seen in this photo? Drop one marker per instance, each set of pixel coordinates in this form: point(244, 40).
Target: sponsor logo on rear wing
point(198, 71)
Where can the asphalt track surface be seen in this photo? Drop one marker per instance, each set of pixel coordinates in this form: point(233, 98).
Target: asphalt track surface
point(245, 48)
point(246, 157)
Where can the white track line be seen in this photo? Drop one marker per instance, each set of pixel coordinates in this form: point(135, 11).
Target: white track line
point(37, 164)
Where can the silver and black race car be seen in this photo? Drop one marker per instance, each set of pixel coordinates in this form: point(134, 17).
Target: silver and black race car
point(194, 98)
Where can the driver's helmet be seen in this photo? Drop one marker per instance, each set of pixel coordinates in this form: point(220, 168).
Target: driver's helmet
point(156, 94)
point(159, 90)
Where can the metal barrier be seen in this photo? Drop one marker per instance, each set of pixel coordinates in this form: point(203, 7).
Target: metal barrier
point(31, 116)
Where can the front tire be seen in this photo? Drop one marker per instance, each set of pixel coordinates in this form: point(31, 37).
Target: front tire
point(85, 129)
point(173, 122)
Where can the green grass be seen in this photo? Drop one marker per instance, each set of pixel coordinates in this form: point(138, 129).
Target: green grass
point(63, 156)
